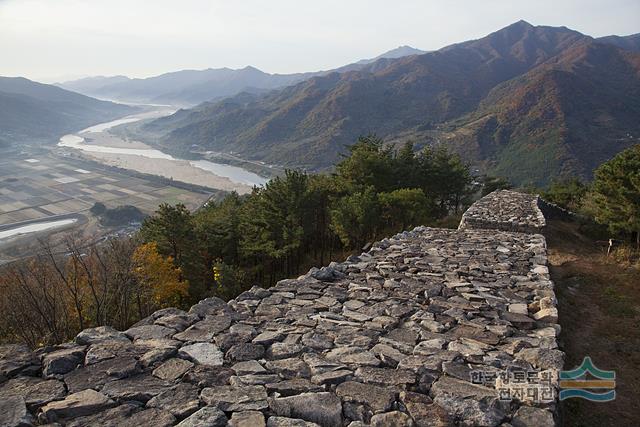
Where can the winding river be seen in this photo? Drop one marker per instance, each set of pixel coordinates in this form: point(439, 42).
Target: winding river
point(107, 144)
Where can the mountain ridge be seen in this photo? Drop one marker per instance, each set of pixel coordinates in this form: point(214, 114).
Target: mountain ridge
point(309, 124)
point(32, 112)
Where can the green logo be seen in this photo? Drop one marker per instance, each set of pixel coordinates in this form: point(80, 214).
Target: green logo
point(576, 384)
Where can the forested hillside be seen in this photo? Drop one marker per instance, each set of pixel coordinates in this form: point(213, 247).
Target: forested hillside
point(548, 97)
point(34, 112)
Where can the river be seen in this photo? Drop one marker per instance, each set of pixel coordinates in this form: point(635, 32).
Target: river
point(110, 149)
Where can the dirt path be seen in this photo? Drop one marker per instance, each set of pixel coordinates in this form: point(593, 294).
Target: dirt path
point(599, 304)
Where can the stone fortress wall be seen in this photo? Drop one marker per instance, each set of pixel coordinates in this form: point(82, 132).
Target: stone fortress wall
point(418, 331)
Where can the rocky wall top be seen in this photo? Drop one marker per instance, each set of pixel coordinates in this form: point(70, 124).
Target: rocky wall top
point(418, 331)
point(505, 210)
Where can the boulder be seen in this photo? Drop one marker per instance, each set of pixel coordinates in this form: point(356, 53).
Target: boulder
point(236, 398)
point(62, 361)
point(247, 419)
point(202, 353)
point(13, 412)
point(181, 400)
point(207, 416)
point(100, 334)
point(75, 405)
point(322, 408)
point(172, 369)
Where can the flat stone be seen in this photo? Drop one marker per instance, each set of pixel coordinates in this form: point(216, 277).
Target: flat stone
point(549, 315)
point(232, 398)
point(268, 337)
point(208, 376)
point(289, 422)
point(207, 416)
point(542, 358)
point(79, 404)
point(322, 408)
point(35, 392)
point(245, 351)
point(289, 368)
point(292, 387)
point(332, 377)
point(148, 332)
point(353, 356)
point(14, 359)
point(62, 361)
point(13, 412)
point(100, 334)
point(247, 419)
point(248, 367)
point(202, 353)
point(281, 350)
point(483, 412)
point(141, 388)
point(527, 416)
point(181, 400)
point(519, 308)
point(391, 419)
point(172, 369)
point(205, 330)
point(460, 388)
point(376, 399)
point(385, 377)
point(209, 307)
point(97, 374)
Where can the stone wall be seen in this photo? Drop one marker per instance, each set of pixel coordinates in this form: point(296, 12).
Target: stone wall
point(417, 331)
point(505, 210)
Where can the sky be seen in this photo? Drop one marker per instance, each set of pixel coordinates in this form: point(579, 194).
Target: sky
point(57, 40)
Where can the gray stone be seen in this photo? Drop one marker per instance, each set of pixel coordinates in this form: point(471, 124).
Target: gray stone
point(207, 416)
point(268, 337)
point(232, 398)
point(79, 404)
point(376, 399)
point(528, 416)
point(13, 412)
point(248, 367)
point(391, 419)
point(289, 422)
point(281, 350)
point(542, 358)
point(181, 400)
point(482, 412)
point(323, 408)
point(202, 353)
point(148, 332)
point(205, 330)
point(294, 386)
point(247, 419)
point(140, 388)
point(385, 377)
point(15, 359)
point(62, 361)
point(208, 376)
point(245, 351)
point(35, 392)
point(100, 334)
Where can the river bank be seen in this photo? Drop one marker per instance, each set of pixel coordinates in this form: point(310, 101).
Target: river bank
point(98, 144)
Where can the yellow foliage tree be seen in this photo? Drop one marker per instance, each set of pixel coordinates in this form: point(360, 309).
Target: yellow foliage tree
point(159, 277)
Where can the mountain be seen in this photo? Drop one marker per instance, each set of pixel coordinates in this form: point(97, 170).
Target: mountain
point(35, 112)
point(192, 87)
point(546, 100)
point(398, 52)
point(631, 42)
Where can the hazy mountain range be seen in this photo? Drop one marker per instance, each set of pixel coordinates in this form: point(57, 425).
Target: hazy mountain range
point(528, 102)
point(32, 112)
point(191, 87)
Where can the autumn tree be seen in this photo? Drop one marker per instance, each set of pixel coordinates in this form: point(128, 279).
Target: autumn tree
point(160, 282)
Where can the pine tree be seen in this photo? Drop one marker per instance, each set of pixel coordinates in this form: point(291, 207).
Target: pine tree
point(616, 193)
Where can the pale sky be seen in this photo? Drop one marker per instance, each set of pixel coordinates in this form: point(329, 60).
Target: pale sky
point(53, 40)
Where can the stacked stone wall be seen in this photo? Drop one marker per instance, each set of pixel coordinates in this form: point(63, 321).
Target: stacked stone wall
point(426, 328)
